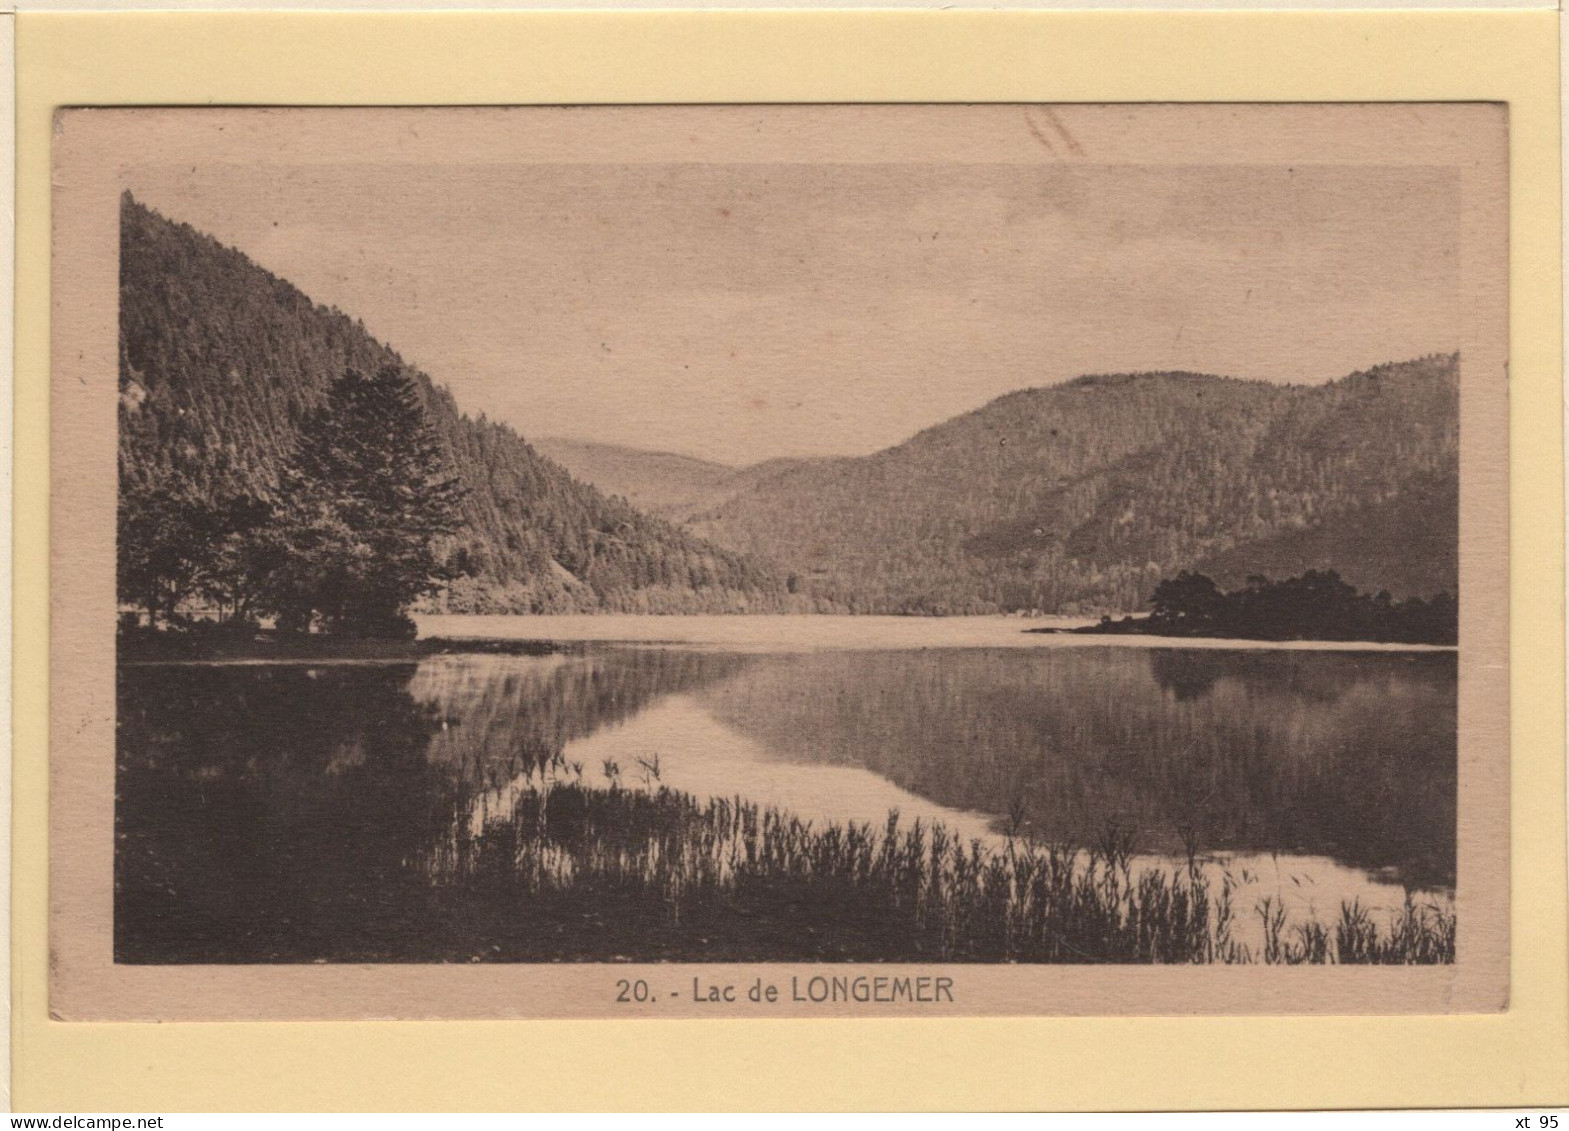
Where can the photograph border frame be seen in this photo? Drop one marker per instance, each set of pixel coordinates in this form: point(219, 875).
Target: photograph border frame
point(1057, 1062)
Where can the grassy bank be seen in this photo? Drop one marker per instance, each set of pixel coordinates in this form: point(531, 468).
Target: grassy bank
point(648, 873)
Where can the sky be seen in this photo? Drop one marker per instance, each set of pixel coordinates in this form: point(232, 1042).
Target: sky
point(738, 312)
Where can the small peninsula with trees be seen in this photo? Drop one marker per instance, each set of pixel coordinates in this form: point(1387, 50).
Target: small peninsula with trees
point(1318, 605)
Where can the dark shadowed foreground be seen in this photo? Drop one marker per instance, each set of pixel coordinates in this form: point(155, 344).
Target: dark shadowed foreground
point(629, 874)
point(442, 811)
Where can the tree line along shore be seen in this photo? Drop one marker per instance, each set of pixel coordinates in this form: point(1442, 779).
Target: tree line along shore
point(359, 530)
point(1319, 605)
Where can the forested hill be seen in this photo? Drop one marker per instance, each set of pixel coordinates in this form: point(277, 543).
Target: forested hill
point(1083, 496)
point(1074, 497)
point(220, 361)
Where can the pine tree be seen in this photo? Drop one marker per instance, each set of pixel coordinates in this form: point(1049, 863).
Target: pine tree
point(368, 493)
point(162, 542)
point(221, 362)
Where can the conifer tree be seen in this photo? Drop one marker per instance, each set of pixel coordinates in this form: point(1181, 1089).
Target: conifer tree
point(161, 541)
point(368, 494)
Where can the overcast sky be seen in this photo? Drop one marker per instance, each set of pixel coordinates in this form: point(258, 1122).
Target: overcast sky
point(739, 312)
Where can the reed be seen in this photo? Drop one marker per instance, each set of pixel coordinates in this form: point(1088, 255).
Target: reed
point(650, 873)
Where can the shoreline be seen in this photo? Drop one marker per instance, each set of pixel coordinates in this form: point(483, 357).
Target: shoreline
point(266, 648)
point(545, 634)
point(786, 632)
point(1138, 629)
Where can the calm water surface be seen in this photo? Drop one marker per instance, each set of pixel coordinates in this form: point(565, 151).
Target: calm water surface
point(256, 801)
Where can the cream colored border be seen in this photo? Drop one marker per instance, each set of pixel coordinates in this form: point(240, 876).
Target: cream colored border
point(1514, 1058)
point(7, 385)
point(96, 148)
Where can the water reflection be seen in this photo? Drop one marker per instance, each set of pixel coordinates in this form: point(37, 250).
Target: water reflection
point(269, 812)
point(264, 811)
point(1347, 756)
point(272, 813)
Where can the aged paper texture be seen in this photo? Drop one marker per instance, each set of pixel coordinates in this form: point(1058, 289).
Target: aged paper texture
point(760, 561)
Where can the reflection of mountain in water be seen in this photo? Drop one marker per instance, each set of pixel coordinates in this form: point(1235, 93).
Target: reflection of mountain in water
point(502, 714)
point(1302, 677)
point(1344, 755)
point(258, 800)
point(270, 810)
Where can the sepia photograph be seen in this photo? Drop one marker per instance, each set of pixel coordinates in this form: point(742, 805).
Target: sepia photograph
point(882, 540)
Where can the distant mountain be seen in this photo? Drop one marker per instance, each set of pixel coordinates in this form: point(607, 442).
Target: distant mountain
point(1073, 497)
point(671, 486)
point(660, 483)
point(1082, 496)
point(220, 361)
point(1408, 544)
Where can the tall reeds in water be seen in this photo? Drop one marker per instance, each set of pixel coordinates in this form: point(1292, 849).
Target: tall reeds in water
point(625, 872)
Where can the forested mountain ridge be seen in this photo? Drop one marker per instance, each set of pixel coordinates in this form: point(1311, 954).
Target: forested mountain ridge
point(221, 362)
point(1083, 496)
point(1073, 497)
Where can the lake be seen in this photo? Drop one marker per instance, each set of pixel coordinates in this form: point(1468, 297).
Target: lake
point(299, 811)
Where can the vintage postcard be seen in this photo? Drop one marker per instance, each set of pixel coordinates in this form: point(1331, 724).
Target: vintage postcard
point(765, 560)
